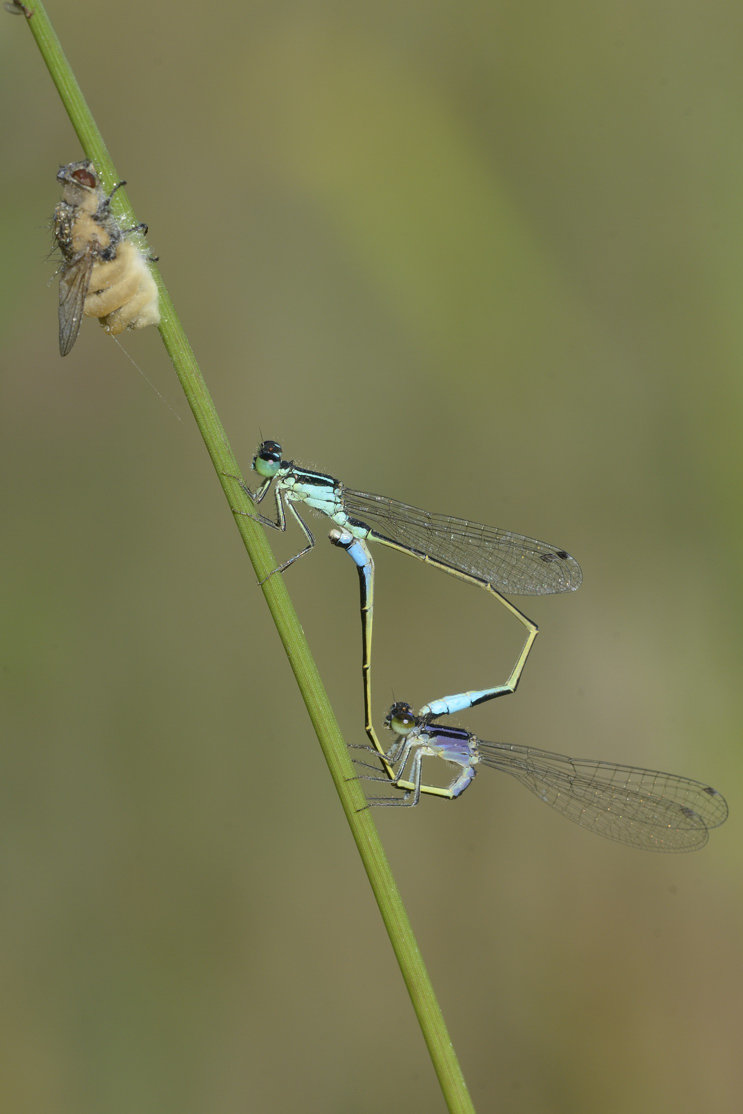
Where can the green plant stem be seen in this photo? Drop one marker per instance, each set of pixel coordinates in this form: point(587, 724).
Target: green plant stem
point(297, 650)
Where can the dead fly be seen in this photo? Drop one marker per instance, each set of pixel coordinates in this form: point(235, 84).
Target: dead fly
point(103, 274)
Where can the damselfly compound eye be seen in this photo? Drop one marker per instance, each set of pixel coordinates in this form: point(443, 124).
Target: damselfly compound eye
point(401, 719)
point(267, 460)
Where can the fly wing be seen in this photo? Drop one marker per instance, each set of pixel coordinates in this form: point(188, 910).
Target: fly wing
point(74, 281)
point(511, 563)
point(643, 808)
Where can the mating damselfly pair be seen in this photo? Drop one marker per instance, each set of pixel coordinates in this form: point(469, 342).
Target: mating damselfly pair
point(643, 808)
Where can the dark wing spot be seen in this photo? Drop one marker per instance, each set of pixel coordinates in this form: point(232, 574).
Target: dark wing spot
point(559, 554)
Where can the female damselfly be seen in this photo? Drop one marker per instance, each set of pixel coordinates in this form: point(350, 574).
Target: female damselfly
point(643, 808)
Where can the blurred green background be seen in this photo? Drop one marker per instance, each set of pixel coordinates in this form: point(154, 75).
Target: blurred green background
point(484, 258)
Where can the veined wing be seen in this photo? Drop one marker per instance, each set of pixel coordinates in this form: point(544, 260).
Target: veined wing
point(513, 564)
point(643, 808)
point(74, 281)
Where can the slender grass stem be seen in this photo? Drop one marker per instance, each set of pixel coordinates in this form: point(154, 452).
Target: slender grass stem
point(297, 650)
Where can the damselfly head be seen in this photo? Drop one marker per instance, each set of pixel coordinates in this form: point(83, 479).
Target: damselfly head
point(267, 460)
point(401, 718)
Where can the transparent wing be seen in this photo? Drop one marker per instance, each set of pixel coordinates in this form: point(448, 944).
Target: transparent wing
point(644, 808)
point(514, 564)
point(74, 281)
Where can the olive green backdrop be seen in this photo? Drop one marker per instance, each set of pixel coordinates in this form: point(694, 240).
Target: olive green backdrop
point(484, 258)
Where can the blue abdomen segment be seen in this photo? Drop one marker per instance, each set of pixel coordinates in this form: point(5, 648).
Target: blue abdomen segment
point(358, 553)
point(450, 705)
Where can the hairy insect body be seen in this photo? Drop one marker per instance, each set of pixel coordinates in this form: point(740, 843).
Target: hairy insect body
point(103, 274)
